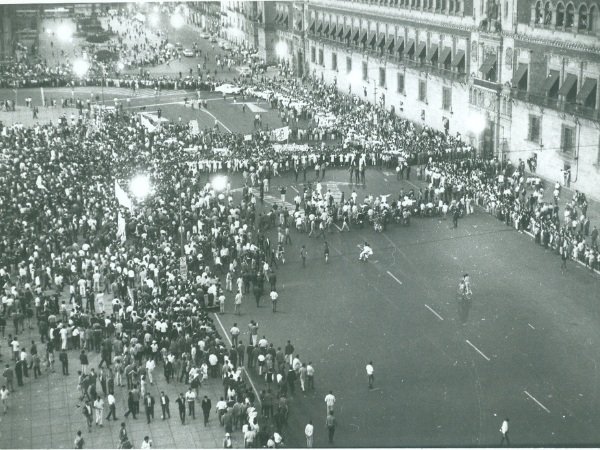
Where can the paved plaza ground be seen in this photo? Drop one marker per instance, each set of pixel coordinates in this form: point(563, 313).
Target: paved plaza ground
point(446, 373)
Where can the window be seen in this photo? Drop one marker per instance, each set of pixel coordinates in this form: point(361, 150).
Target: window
point(560, 15)
point(334, 61)
point(538, 13)
point(570, 17)
point(313, 53)
point(400, 83)
point(422, 91)
point(583, 18)
point(348, 64)
point(547, 14)
point(534, 129)
point(567, 141)
point(365, 71)
point(320, 56)
point(382, 77)
point(446, 98)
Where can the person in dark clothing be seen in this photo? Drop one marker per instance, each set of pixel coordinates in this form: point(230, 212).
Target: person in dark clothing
point(19, 372)
point(181, 405)
point(164, 405)
point(149, 407)
point(291, 380)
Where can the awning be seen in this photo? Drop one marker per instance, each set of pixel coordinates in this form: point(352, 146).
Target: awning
point(355, 35)
point(458, 58)
point(420, 50)
point(488, 65)
point(551, 80)
point(363, 37)
point(285, 19)
point(390, 43)
point(277, 17)
point(299, 24)
point(568, 84)
point(340, 31)
point(325, 29)
point(409, 47)
point(589, 87)
point(319, 26)
point(333, 30)
point(371, 40)
point(445, 55)
point(347, 32)
point(381, 41)
point(311, 28)
point(399, 47)
point(433, 49)
point(521, 72)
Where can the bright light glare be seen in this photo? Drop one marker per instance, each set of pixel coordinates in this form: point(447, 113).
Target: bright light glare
point(177, 20)
point(80, 67)
point(219, 183)
point(282, 49)
point(120, 65)
point(477, 123)
point(154, 19)
point(156, 9)
point(64, 32)
point(140, 186)
point(355, 78)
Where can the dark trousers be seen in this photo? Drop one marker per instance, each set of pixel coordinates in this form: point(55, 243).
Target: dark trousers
point(182, 415)
point(331, 432)
point(165, 411)
point(505, 438)
point(206, 415)
point(192, 409)
point(112, 412)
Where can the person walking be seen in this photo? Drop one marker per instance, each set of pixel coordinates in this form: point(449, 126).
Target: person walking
point(181, 405)
point(330, 423)
point(149, 406)
point(9, 376)
point(303, 254)
point(88, 414)
point(504, 432)
point(308, 432)
point(64, 361)
point(274, 296)
point(206, 406)
point(112, 407)
point(79, 441)
point(164, 405)
point(330, 401)
point(4, 393)
point(99, 411)
point(370, 374)
point(235, 334)
point(190, 396)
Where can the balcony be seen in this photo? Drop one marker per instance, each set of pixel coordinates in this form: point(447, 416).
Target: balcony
point(491, 85)
point(555, 104)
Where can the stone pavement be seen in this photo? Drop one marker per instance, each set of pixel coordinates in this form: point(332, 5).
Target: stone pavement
point(24, 115)
point(46, 413)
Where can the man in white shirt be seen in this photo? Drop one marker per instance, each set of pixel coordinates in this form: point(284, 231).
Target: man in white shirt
point(308, 432)
point(274, 297)
point(370, 374)
point(235, 333)
point(330, 401)
point(504, 432)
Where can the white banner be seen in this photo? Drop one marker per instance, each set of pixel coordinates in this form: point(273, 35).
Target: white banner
point(290, 148)
point(247, 137)
point(194, 127)
point(280, 134)
point(122, 196)
point(147, 124)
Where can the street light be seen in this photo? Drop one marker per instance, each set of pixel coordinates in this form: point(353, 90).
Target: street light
point(140, 186)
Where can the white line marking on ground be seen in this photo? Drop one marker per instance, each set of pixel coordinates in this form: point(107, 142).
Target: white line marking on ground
point(43, 98)
point(336, 225)
point(230, 344)
point(536, 400)
point(434, 312)
point(218, 121)
point(153, 105)
point(294, 188)
point(392, 275)
point(477, 350)
point(531, 326)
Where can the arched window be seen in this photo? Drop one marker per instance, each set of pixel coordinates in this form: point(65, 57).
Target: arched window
point(583, 18)
point(417, 4)
point(547, 13)
point(593, 18)
point(538, 13)
point(451, 6)
point(444, 5)
point(458, 6)
point(570, 16)
point(560, 15)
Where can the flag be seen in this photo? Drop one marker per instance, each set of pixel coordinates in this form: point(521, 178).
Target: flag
point(247, 137)
point(121, 227)
point(122, 196)
point(147, 123)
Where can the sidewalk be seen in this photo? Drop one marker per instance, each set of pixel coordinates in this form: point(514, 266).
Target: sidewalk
point(46, 413)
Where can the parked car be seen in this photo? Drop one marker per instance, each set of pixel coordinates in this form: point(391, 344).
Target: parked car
point(205, 35)
point(188, 52)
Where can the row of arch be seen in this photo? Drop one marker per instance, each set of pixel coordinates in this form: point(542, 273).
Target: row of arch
point(448, 6)
point(567, 17)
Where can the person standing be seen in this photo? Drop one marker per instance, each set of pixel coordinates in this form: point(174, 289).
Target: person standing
point(330, 401)
point(238, 302)
point(303, 254)
point(164, 406)
point(64, 361)
point(88, 414)
point(227, 441)
point(190, 396)
point(181, 405)
point(308, 432)
point(235, 334)
point(206, 406)
point(330, 422)
point(274, 297)
point(146, 443)
point(504, 432)
point(99, 411)
point(370, 374)
point(310, 376)
point(9, 375)
point(4, 393)
point(123, 437)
